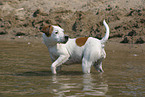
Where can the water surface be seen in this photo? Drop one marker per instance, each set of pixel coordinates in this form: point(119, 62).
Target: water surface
point(25, 72)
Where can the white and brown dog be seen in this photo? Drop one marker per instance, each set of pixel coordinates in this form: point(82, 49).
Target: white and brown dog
point(86, 50)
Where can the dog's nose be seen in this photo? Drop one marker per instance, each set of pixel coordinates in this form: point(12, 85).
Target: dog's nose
point(66, 37)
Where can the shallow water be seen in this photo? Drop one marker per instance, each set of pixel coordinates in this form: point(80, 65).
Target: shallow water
point(25, 72)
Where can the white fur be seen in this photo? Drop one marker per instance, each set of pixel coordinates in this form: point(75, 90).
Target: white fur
point(92, 53)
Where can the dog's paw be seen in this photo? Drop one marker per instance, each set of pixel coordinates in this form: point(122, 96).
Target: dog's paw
point(53, 69)
point(100, 70)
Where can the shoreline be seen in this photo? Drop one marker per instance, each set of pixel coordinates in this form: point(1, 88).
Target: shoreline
point(111, 45)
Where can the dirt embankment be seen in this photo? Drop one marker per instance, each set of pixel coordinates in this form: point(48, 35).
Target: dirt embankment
point(23, 18)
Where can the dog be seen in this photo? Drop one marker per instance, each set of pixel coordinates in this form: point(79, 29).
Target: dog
point(63, 50)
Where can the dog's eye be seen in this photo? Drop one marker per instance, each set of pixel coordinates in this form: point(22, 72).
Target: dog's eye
point(56, 32)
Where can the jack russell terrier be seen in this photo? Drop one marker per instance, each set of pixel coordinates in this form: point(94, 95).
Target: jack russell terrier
point(86, 50)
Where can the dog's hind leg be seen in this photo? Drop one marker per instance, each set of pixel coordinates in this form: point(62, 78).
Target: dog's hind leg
point(86, 66)
point(98, 65)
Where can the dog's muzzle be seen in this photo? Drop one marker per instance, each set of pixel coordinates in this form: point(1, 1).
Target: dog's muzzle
point(65, 38)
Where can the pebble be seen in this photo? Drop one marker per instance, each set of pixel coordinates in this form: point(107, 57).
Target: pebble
point(135, 55)
point(29, 43)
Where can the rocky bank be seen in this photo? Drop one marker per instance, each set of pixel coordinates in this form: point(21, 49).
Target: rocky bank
point(79, 18)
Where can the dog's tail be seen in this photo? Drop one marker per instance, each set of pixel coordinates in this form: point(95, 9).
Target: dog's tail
point(105, 38)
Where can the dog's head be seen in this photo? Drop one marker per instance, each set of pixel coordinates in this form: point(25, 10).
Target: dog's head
point(55, 33)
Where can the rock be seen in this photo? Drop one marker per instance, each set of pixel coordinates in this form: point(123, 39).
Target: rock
point(117, 27)
point(126, 40)
point(5, 24)
point(109, 8)
point(132, 33)
point(36, 13)
point(142, 20)
point(39, 12)
point(20, 34)
point(3, 32)
point(140, 41)
point(20, 14)
point(131, 12)
point(74, 27)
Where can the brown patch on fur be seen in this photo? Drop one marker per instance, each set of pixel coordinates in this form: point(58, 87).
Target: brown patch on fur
point(47, 30)
point(81, 41)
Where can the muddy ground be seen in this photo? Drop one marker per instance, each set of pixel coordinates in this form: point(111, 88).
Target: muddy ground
point(23, 18)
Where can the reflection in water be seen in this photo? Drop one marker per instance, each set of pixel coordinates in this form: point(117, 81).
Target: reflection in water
point(86, 84)
point(92, 88)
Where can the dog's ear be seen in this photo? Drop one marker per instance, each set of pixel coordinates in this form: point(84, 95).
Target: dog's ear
point(47, 30)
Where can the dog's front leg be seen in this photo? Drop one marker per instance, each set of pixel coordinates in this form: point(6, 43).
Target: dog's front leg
point(61, 59)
